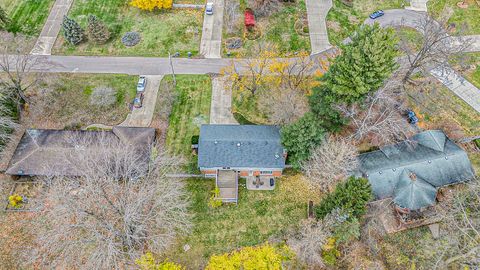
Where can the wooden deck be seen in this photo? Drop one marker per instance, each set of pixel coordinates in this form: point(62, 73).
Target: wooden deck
point(227, 183)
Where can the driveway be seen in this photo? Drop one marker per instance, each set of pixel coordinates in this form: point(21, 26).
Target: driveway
point(211, 43)
point(221, 106)
point(317, 11)
point(142, 117)
point(51, 28)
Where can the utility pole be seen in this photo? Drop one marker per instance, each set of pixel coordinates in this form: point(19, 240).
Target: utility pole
point(173, 71)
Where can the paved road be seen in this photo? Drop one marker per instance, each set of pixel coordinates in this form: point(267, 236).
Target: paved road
point(142, 117)
point(50, 30)
point(221, 106)
point(317, 11)
point(211, 43)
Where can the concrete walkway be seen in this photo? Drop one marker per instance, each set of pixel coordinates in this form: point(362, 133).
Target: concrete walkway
point(317, 11)
point(221, 106)
point(418, 5)
point(459, 85)
point(142, 117)
point(52, 27)
point(211, 43)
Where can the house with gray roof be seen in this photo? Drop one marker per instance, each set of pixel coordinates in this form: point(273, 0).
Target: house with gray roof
point(411, 172)
point(43, 152)
point(251, 151)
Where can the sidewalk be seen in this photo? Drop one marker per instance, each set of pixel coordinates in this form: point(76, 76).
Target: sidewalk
point(317, 11)
point(142, 117)
point(211, 43)
point(459, 85)
point(221, 106)
point(51, 28)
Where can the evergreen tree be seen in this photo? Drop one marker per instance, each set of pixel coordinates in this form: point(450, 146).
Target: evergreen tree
point(365, 63)
point(350, 196)
point(322, 105)
point(302, 136)
point(72, 31)
point(4, 20)
point(97, 31)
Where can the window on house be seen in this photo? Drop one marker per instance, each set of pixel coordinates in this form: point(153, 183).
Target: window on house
point(266, 172)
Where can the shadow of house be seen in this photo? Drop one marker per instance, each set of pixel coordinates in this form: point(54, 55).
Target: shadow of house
point(43, 152)
point(411, 172)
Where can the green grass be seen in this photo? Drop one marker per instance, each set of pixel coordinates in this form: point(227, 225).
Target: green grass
point(342, 19)
point(190, 109)
point(473, 76)
point(27, 16)
point(412, 36)
point(246, 110)
point(277, 29)
point(67, 101)
point(469, 17)
point(259, 216)
point(177, 30)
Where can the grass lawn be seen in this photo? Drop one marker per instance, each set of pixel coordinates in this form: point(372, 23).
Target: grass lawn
point(245, 109)
point(342, 19)
point(473, 75)
point(177, 30)
point(64, 101)
point(468, 16)
point(27, 16)
point(277, 29)
point(258, 217)
point(190, 109)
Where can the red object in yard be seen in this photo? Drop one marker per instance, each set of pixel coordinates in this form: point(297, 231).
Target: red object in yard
point(249, 18)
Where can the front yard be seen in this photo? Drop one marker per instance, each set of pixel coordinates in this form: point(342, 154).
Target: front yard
point(468, 17)
point(161, 32)
point(69, 101)
point(343, 19)
point(27, 16)
point(259, 216)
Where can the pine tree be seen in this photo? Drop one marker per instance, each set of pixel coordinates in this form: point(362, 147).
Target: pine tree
point(97, 31)
point(72, 31)
point(4, 20)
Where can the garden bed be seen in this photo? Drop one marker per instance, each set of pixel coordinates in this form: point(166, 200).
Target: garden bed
point(28, 192)
point(161, 32)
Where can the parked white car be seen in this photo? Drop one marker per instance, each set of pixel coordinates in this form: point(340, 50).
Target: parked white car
point(142, 82)
point(209, 8)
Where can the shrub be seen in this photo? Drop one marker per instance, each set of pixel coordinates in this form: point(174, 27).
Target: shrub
point(148, 262)
point(251, 258)
point(15, 200)
point(103, 96)
point(330, 252)
point(213, 202)
point(97, 31)
point(72, 31)
point(351, 196)
point(131, 39)
point(150, 5)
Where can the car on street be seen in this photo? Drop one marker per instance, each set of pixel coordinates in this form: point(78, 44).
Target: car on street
point(377, 14)
point(138, 101)
point(142, 82)
point(209, 8)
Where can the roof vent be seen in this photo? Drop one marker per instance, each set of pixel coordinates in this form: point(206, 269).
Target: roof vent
point(446, 157)
point(413, 176)
point(277, 156)
point(429, 161)
point(238, 144)
point(380, 172)
point(216, 142)
point(394, 169)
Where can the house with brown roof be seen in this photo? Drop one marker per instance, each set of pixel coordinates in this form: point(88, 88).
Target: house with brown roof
point(42, 152)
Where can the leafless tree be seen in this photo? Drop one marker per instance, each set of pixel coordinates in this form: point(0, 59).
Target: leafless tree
point(436, 48)
point(459, 242)
point(121, 205)
point(308, 242)
point(264, 7)
point(331, 162)
point(7, 123)
point(21, 69)
point(283, 106)
point(232, 16)
point(379, 118)
point(103, 96)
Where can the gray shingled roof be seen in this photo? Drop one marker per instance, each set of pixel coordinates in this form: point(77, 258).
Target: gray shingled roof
point(433, 158)
point(240, 146)
point(43, 151)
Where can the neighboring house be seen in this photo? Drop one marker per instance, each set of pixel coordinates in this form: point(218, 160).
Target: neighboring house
point(43, 152)
point(411, 172)
point(230, 151)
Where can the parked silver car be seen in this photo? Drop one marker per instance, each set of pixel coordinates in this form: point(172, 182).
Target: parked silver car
point(209, 8)
point(142, 82)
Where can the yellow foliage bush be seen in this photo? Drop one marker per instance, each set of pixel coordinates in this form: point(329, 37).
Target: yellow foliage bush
point(152, 4)
point(148, 262)
point(15, 200)
point(264, 257)
point(214, 202)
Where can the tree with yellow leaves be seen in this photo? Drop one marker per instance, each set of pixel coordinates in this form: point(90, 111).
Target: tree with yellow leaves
point(150, 5)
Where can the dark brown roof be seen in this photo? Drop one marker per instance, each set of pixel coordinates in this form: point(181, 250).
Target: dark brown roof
point(43, 151)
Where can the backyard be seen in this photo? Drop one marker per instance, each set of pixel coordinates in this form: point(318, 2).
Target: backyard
point(343, 19)
point(467, 18)
point(277, 29)
point(68, 101)
point(259, 216)
point(190, 110)
point(161, 32)
point(27, 16)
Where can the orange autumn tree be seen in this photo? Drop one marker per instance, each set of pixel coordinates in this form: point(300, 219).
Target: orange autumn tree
point(150, 5)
